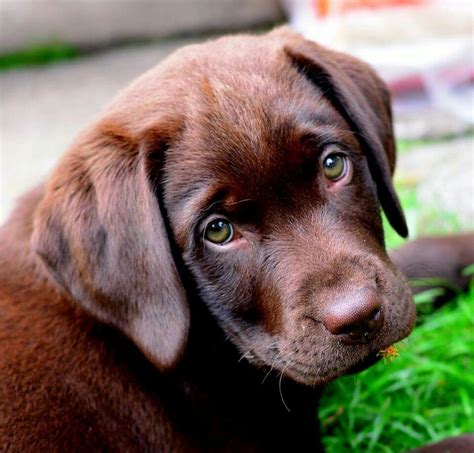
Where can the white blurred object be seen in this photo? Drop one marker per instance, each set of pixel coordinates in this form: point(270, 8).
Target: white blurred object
point(422, 48)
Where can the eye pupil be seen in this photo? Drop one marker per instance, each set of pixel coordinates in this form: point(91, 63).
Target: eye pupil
point(334, 166)
point(219, 231)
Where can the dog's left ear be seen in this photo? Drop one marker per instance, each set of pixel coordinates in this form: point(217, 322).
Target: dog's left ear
point(363, 100)
point(101, 231)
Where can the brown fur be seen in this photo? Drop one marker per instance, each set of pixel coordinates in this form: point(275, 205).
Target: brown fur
point(122, 330)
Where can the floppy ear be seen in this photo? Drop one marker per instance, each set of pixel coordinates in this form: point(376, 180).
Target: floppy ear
point(101, 233)
point(362, 99)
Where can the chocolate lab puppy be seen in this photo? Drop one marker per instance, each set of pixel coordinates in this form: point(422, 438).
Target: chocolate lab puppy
point(205, 257)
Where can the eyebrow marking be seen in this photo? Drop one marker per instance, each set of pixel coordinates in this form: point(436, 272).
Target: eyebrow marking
point(238, 202)
point(192, 204)
point(197, 203)
point(323, 136)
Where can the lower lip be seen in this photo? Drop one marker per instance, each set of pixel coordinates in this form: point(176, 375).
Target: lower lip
point(370, 360)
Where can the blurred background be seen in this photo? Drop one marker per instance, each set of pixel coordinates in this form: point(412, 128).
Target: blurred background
point(62, 61)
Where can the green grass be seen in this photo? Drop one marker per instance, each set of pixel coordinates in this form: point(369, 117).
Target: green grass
point(424, 395)
point(427, 393)
point(37, 55)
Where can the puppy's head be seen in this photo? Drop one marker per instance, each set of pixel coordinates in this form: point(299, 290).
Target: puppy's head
point(265, 161)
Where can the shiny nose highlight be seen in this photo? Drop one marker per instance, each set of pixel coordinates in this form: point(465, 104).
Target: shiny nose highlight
point(354, 317)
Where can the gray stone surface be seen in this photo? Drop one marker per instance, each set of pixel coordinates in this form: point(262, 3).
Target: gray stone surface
point(42, 110)
point(431, 122)
point(100, 22)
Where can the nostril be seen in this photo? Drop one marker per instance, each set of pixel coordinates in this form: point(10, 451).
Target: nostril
point(345, 330)
point(374, 323)
point(375, 313)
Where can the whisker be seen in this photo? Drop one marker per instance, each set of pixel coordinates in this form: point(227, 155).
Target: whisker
point(271, 367)
point(246, 355)
point(279, 388)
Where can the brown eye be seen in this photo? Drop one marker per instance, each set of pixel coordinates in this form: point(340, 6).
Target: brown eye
point(219, 231)
point(334, 166)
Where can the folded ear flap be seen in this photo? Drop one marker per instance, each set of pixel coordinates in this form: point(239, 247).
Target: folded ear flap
point(101, 233)
point(362, 100)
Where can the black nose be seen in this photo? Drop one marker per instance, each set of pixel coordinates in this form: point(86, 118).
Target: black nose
point(354, 317)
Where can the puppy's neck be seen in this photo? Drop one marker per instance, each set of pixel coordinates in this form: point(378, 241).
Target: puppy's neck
point(234, 397)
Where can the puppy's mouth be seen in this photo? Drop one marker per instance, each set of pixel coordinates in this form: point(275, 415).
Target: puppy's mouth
point(370, 360)
point(316, 376)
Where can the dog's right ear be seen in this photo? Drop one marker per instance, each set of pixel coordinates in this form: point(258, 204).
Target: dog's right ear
point(362, 99)
point(102, 233)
